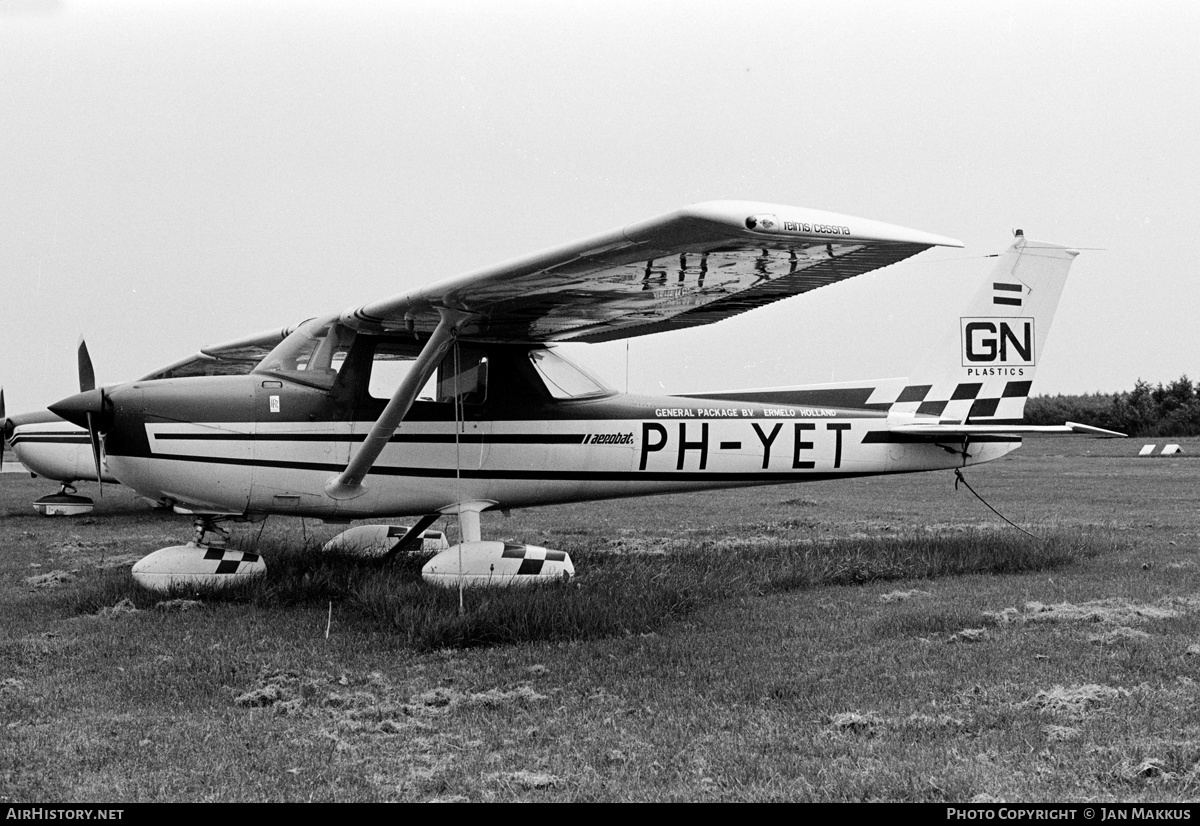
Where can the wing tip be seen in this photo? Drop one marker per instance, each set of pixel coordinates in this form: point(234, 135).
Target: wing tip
point(764, 219)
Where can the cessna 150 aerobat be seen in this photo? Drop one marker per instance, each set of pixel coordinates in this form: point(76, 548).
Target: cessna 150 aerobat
point(451, 400)
point(56, 449)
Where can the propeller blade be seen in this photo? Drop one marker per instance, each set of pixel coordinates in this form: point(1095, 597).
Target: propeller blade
point(3, 428)
point(87, 376)
point(94, 438)
point(92, 410)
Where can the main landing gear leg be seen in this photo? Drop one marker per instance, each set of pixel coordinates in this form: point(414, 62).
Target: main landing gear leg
point(211, 525)
point(202, 564)
point(475, 562)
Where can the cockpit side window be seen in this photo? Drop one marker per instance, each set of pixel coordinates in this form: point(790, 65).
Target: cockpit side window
point(391, 361)
point(462, 374)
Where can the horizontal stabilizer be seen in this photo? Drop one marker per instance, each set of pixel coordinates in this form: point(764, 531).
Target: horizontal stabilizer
point(1000, 429)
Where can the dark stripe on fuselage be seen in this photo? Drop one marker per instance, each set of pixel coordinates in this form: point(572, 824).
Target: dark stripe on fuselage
point(536, 475)
point(872, 437)
point(49, 439)
point(417, 438)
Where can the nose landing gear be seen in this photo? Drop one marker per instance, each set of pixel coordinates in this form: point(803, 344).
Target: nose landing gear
point(64, 503)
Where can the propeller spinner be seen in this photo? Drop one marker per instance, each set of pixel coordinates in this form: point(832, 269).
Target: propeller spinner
point(91, 410)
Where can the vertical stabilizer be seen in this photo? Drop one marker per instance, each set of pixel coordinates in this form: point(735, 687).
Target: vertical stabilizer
point(982, 370)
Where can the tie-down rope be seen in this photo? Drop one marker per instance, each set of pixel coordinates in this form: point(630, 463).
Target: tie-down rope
point(960, 478)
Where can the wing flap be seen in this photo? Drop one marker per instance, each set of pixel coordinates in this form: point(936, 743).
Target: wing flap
point(820, 270)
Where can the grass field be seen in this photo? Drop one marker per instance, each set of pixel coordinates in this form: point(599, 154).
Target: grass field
point(881, 639)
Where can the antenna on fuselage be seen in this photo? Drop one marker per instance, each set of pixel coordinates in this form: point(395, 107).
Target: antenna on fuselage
point(626, 365)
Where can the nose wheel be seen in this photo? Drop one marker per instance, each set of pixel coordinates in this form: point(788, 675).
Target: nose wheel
point(64, 503)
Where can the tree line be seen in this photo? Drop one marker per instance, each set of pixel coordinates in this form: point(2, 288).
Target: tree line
point(1159, 410)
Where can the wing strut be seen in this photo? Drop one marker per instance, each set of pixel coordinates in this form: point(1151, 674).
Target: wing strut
point(348, 484)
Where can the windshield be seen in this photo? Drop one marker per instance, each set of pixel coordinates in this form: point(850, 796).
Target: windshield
point(312, 354)
point(565, 380)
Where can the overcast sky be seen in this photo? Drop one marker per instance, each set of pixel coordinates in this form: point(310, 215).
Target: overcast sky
point(173, 174)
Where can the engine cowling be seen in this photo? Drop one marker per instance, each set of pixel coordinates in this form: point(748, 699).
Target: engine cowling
point(498, 564)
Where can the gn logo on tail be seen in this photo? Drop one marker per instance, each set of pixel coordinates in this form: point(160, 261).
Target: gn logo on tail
point(1006, 342)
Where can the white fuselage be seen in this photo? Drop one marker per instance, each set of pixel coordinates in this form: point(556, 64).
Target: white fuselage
point(57, 450)
point(282, 467)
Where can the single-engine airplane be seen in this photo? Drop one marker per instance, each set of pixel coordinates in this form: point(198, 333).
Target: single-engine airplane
point(53, 448)
point(451, 399)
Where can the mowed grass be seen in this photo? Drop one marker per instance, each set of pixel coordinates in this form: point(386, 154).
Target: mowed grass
point(621, 592)
point(881, 639)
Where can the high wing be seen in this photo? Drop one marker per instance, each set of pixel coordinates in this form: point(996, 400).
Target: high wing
point(694, 266)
